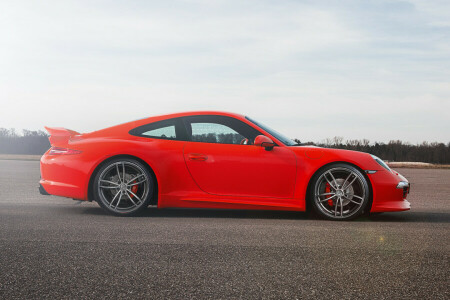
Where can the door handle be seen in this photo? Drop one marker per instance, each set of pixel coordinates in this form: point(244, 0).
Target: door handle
point(197, 157)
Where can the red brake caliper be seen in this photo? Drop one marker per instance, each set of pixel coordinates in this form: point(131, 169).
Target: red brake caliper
point(134, 188)
point(328, 190)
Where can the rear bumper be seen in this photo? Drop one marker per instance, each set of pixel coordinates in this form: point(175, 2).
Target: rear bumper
point(42, 190)
point(62, 175)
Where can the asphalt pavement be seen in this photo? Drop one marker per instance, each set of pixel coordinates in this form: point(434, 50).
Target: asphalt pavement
point(52, 247)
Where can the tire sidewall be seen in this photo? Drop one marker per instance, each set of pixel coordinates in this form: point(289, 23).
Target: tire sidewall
point(318, 211)
point(145, 201)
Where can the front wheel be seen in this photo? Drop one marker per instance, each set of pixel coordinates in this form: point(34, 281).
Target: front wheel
point(123, 187)
point(339, 192)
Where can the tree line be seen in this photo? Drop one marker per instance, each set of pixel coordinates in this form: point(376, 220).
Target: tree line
point(36, 142)
point(395, 150)
point(29, 142)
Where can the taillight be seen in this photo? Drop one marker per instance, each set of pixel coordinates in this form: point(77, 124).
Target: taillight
point(63, 151)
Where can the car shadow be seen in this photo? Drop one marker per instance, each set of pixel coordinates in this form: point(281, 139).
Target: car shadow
point(208, 213)
point(409, 217)
point(401, 217)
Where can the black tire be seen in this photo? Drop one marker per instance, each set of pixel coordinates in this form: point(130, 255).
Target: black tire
point(339, 192)
point(123, 187)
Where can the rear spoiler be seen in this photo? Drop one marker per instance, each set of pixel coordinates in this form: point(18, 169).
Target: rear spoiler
point(60, 135)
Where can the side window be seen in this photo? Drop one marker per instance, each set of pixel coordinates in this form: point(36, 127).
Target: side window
point(219, 129)
point(171, 129)
point(215, 133)
point(167, 132)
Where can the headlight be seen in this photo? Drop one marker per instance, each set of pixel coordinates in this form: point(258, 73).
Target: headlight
point(380, 162)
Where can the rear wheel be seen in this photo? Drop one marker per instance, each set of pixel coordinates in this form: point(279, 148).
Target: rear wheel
point(123, 187)
point(340, 192)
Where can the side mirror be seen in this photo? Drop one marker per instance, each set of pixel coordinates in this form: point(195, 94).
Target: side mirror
point(264, 141)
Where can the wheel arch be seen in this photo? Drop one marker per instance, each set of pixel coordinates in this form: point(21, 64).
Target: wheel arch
point(310, 182)
point(90, 192)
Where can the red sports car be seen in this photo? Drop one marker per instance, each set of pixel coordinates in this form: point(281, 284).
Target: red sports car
point(215, 160)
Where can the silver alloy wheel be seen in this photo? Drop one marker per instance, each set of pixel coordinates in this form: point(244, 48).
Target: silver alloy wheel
point(123, 186)
point(340, 192)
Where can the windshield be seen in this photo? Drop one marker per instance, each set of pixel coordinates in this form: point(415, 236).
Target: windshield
point(274, 133)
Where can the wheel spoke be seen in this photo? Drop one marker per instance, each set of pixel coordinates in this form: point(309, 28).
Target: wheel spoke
point(353, 201)
point(123, 167)
point(139, 199)
point(361, 198)
point(335, 208)
point(110, 182)
point(346, 179)
point(348, 185)
point(108, 187)
point(342, 207)
point(131, 199)
point(118, 201)
point(334, 179)
point(329, 198)
point(136, 183)
point(136, 177)
point(329, 182)
point(326, 194)
point(114, 198)
point(118, 172)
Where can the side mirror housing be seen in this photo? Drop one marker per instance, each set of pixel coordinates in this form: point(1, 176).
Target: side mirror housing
point(264, 141)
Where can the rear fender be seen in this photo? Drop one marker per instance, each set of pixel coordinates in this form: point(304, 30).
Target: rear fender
point(125, 152)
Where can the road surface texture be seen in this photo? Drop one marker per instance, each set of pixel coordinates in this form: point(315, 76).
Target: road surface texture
point(53, 247)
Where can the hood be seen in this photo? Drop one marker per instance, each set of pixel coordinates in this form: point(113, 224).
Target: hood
point(329, 155)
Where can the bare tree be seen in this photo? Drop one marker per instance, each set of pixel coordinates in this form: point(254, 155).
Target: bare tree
point(36, 142)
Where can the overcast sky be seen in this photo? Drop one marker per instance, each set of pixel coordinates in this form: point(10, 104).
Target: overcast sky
point(310, 69)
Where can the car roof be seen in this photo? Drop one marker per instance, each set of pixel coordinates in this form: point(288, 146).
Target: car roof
point(185, 114)
point(126, 127)
point(200, 112)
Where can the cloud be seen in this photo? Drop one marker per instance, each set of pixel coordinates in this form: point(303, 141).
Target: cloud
point(372, 69)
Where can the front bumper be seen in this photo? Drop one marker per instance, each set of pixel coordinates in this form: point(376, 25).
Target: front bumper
point(405, 186)
point(390, 190)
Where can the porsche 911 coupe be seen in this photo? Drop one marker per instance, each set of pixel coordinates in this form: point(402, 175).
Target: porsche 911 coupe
point(215, 160)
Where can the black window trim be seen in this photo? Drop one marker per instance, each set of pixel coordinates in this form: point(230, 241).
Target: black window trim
point(181, 127)
point(176, 122)
point(189, 137)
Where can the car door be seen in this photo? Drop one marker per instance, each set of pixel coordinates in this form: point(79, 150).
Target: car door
point(161, 145)
point(221, 165)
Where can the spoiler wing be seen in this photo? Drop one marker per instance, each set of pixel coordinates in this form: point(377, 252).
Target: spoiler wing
point(59, 135)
